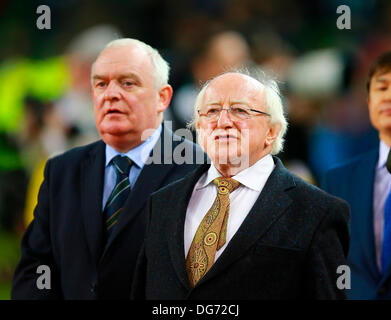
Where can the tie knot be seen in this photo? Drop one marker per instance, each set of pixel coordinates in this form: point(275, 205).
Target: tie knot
point(122, 165)
point(226, 185)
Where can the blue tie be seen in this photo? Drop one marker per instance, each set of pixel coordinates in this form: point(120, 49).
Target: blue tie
point(120, 193)
point(386, 247)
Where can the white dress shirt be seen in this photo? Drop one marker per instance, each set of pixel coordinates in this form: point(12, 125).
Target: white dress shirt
point(252, 180)
point(381, 190)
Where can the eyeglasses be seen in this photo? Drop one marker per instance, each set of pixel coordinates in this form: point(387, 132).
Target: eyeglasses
point(235, 113)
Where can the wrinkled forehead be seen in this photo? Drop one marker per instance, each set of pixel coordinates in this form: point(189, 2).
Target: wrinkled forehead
point(234, 87)
point(127, 56)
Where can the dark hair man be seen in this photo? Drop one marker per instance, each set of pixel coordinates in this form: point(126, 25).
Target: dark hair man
point(365, 183)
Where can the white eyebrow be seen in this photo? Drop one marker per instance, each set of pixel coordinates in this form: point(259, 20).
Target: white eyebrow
point(240, 102)
point(216, 103)
point(213, 103)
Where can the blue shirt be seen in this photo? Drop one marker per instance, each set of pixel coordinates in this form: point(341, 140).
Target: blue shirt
point(138, 155)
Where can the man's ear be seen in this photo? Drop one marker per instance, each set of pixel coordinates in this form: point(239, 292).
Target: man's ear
point(165, 95)
point(273, 133)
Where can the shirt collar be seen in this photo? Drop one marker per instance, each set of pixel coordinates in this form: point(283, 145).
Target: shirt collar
point(138, 155)
point(251, 177)
point(383, 154)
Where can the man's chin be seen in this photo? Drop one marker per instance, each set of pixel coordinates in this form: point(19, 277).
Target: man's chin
point(231, 159)
point(386, 125)
point(114, 129)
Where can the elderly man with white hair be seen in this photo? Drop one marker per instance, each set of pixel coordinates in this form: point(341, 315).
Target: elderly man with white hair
point(243, 227)
point(89, 222)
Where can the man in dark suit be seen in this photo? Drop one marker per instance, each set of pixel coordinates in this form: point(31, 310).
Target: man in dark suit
point(89, 221)
point(365, 183)
point(243, 227)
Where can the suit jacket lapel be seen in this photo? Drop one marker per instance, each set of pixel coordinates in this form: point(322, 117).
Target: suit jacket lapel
point(363, 186)
point(92, 177)
point(177, 223)
point(269, 206)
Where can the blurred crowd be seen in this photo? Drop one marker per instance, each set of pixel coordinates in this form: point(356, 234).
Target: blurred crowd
point(45, 99)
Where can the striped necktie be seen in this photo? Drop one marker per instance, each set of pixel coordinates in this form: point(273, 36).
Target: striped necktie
point(120, 192)
point(211, 233)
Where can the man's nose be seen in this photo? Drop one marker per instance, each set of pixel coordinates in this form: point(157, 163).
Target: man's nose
point(112, 91)
point(224, 119)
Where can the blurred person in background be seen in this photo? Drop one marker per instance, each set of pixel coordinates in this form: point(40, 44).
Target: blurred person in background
point(222, 51)
point(312, 82)
point(328, 123)
point(274, 55)
point(365, 182)
point(43, 131)
point(44, 81)
point(89, 221)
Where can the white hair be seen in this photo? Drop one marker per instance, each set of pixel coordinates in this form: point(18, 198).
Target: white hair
point(273, 103)
point(161, 67)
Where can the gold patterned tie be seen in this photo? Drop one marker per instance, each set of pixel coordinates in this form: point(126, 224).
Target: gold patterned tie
point(211, 233)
